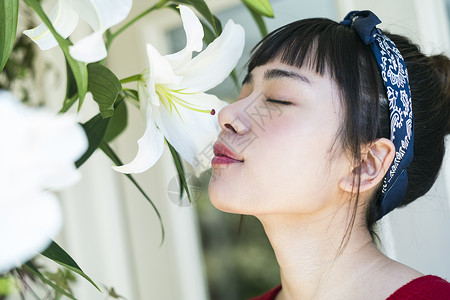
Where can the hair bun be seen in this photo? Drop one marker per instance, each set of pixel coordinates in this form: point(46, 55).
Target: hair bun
point(441, 64)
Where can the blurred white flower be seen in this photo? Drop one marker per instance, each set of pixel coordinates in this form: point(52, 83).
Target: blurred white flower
point(99, 14)
point(172, 95)
point(37, 155)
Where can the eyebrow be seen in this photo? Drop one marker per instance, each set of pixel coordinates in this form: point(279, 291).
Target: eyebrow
point(279, 73)
point(276, 74)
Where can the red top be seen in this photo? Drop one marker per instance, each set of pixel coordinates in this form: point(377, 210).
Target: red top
point(427, 287)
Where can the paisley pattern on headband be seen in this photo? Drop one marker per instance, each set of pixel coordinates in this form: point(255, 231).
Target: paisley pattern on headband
point(395, 76)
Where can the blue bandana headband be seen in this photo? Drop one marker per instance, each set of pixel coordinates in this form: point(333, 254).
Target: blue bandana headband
point(395, 78)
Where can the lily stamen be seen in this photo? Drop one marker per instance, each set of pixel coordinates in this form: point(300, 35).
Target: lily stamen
point(171, 98)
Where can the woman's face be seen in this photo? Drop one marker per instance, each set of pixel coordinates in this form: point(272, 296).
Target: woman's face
point(288, 155)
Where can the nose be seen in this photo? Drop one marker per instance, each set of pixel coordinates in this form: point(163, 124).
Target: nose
point(232, 118)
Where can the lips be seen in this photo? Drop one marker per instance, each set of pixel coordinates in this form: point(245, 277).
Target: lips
point(223, 155)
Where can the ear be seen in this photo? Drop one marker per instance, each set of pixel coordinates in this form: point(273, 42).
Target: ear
point(375, 161)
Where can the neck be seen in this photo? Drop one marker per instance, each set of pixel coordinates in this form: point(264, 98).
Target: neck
point(307, 249)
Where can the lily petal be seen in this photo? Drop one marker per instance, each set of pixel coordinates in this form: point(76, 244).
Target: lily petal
point(147, 93)
point(151, 146)
point(193, 135)
point(63, 17)
point(194, 38)
point(102, 14)
point(38, 153)
point(214, 64)
point(41, 149)
point(160, 70)
point(89, 49)
point(27, 224)
point(65, 142)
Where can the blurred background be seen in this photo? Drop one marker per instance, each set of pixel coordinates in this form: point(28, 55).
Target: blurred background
point(114, 234)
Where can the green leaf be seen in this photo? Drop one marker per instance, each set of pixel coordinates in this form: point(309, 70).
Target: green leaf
point(71, 90)
point(98, 128)
point(71, 87)
point(36, 272)
point(203, 9)
point(58, 255)
point(68, 102)
point(209, 35)
point(133, 94)
point(9, 12)
point(259, 21)
point(78, 68)
point(261, 7)
point(95, 130)
point(118, 122)
point(180, 170)
point(81, 76)
point(104, 86)
point(113, 156)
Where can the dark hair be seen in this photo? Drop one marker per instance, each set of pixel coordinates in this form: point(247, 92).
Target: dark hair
point(328, 47)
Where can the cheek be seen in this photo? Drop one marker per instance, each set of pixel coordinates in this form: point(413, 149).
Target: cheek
point(286, 170)
point(296, 173)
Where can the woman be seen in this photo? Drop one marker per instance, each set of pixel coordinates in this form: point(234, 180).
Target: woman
point(323, 143)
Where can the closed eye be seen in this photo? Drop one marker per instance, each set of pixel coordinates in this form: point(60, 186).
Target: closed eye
point(278, 101)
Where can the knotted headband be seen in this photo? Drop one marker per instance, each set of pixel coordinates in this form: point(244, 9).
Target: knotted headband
point(395, 78)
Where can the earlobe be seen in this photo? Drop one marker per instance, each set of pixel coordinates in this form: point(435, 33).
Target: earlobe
point(375, 161)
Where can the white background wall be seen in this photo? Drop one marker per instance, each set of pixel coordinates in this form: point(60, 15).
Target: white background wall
point(113, 233)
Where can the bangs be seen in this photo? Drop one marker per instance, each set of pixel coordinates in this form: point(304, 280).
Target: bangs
point(319, 44)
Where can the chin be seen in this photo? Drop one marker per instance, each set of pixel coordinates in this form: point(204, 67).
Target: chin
point(218, 199)
point(223, 200)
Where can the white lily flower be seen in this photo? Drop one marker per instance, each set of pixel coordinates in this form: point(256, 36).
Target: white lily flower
point(37, 155)
point(99, 14)
point(173, 100)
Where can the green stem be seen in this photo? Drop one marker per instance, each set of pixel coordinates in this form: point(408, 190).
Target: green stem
point(112, 36)
point(113, 156)
point(131, 79)
point(130, 97)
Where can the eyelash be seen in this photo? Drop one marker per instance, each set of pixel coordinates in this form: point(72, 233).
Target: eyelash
point(278, 101)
